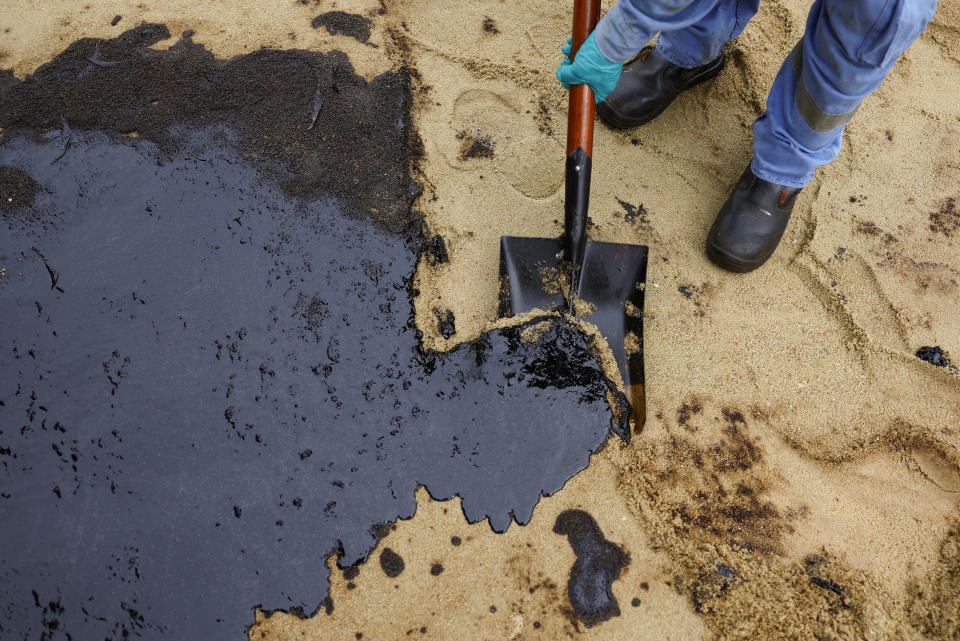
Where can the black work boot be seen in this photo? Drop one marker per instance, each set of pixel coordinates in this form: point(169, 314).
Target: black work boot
point(750, 224)
point(648, 85)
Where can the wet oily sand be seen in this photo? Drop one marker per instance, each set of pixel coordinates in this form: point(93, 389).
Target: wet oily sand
point(304, 112)
point(725, 544)
point(209, 380)
point(17, 190)
point(341, 22)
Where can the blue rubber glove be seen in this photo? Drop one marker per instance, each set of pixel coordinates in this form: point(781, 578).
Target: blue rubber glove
point(590, 67)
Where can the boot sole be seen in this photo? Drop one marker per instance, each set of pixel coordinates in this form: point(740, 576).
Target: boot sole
point(722, 259)
point(620, 121)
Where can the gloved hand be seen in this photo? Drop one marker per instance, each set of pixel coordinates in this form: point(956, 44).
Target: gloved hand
point(590, 67)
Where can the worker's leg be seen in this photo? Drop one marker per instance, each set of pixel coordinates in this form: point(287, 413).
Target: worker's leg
point(847, 50)
point(682, 58)
point(704, 41)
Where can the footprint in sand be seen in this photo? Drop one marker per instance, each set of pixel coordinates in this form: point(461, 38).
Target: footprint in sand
point(943, 31)
point(520, 153)
point(880, 338)
point(862, 296)
point(947, 169)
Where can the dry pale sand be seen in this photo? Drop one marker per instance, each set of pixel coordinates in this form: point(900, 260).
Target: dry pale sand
point(791, 436)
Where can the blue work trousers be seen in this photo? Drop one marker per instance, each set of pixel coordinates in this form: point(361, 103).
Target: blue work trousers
point(847, 50)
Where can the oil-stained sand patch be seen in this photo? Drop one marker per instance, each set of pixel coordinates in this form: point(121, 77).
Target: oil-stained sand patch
point(40, 29)
point(946, 219)
point(717, 459)
point(749, 549)
point(475, 146)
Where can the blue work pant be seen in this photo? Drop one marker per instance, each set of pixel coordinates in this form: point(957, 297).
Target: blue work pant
point(846, 52)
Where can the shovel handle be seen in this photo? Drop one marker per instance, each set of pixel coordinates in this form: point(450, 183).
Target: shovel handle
point(586, 13)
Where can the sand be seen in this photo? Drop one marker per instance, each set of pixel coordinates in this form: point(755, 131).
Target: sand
point(798, 475)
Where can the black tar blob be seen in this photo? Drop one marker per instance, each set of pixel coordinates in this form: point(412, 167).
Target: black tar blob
point(391, 563)
point(446, 322)
point(933, 355)
point(599, 563)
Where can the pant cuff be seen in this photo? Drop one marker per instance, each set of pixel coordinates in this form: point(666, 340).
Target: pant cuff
point(685, 63)
point(780, 179)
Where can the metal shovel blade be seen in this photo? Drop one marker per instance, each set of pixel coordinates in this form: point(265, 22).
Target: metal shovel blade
point(611, 282)
point(528, 275)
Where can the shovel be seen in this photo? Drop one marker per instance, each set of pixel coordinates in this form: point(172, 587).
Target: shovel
point(603, 283)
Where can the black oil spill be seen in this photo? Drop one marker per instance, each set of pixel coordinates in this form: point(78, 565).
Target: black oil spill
point(815, 565)
point(341, 22)
point(209, 377)
point(827, 584)
point(599, 563)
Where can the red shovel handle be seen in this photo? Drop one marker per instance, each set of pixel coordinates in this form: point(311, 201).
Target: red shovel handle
point(586, 13)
